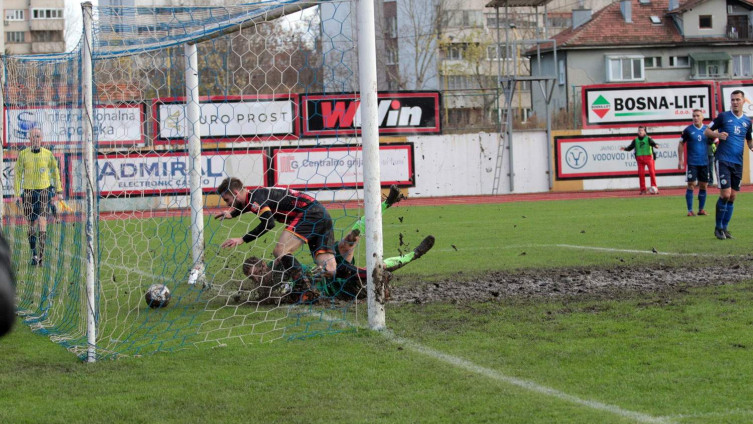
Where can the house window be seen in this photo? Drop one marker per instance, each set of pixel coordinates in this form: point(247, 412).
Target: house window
point(457, 82)
point(14, 15)
point(704, 22)
point(495, 52)
point(146, 29)
point(679, 61)
point(742, 65)
point(391, 29)
point(45, 36)
point(491, 52)
point(561, 72)
point(464, 18)
point(710, 68)
point(624, 69)
point(454, 53)
point(392, 56)
point(652, 62)
point(15, 37)
point(46, 13)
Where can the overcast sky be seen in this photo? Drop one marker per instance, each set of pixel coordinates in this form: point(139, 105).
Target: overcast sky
point(73, 22)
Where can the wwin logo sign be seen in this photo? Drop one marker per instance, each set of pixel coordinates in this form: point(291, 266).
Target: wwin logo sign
point(25, 121)
point(398, 113)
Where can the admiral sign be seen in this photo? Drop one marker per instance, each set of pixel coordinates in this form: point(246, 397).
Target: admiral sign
point(614, 105)
point(599, 156)
point(162, 174)
point(230, 118)
point(398, 113)
point(119, 125)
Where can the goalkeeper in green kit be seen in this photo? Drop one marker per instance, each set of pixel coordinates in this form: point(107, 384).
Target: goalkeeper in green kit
point(349, 280)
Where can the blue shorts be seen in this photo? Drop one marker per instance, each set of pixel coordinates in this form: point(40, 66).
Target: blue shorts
point(697, 173)
point(728, 174)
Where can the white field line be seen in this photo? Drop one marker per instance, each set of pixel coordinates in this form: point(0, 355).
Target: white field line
point(525, 384)
point(498, 376)
point(491, 373)
point(572, 246)
point(609, 249)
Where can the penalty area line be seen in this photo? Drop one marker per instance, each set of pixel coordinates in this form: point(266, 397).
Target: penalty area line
point(573, 246)
point(525, 384)
point(498, 376)
point(611, 249)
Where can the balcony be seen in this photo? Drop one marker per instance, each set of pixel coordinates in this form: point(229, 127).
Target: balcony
point(739, 32)
point(47, 24)
point(48, 47)
point(17, 48)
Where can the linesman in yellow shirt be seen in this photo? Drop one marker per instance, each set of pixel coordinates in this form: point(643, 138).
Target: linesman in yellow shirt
point(36, 171)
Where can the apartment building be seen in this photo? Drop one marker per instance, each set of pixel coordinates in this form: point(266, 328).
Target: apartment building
point(33, 26)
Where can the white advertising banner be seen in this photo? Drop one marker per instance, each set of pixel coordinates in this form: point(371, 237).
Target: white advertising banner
point(231, 119)
point(167, 173)
point(9, 176)
point(746, 87)
point(645, 104)
point(113, 125)
point(600, 156)
point(339, 167)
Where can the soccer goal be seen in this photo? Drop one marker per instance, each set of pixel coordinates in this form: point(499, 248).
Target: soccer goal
point(153, 109)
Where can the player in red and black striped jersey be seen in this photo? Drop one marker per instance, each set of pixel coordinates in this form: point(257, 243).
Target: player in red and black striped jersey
point(306, 220)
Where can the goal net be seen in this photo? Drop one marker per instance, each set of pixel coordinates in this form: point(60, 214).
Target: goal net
point(180, 100)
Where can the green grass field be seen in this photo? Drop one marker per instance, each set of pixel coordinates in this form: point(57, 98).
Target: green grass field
point(680, 356)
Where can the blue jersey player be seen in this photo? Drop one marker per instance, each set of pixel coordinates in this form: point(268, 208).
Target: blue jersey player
point(696, 162)
point(733, 129)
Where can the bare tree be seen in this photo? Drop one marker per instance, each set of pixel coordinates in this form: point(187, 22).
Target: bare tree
point(418, 27)
point(74, 26)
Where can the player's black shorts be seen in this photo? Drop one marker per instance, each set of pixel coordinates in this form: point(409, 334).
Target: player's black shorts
point(697, 173)
point(314, 226)
point(35, 203)
point(729, 174)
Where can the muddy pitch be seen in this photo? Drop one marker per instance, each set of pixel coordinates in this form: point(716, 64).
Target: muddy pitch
point(587, 282)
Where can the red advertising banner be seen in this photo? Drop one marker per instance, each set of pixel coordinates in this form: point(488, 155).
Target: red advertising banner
point(399, 113)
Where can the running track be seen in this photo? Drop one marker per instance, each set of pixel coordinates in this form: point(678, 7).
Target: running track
point(432, 201)
point(454, 200)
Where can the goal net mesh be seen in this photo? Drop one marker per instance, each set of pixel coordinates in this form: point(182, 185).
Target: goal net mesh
point(256, 64)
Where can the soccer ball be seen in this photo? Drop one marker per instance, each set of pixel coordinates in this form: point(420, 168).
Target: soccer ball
point(157, 296)
point(653, 190)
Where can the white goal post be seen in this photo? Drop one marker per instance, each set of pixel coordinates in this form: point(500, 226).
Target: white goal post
point(142, 189)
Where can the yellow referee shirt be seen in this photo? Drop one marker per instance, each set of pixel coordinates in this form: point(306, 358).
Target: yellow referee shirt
point(35, 171)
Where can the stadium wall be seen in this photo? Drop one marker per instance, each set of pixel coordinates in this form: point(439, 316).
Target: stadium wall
point(430, 166)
